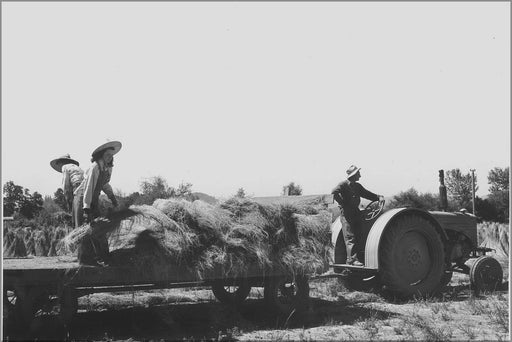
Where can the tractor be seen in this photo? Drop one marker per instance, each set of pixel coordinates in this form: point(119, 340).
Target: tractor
point(412, 252)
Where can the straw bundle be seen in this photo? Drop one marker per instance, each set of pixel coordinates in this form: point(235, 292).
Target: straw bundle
point(9, 236)
point(16, 245)
point(100, 226)
point(56, 246)
point(149, 237)
point(30, 243)
point(41, 243)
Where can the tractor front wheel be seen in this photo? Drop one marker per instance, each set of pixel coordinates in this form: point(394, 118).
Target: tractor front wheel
point(486, 274)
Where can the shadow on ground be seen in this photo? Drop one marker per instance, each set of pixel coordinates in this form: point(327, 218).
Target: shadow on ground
point(191, 320)
point(194, 321)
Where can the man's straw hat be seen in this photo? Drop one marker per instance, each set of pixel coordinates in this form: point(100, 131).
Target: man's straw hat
point(115, 145)
point(352, 170)
point(57, 163)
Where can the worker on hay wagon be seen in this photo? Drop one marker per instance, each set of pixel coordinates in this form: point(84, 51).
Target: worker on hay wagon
point(93, 249)
point(72, 177)
point(348, 194)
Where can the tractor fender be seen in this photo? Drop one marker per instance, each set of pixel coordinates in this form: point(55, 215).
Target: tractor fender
point(335, 231)
point(384, 222)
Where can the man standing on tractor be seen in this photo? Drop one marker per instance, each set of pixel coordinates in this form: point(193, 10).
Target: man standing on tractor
point(348, 194)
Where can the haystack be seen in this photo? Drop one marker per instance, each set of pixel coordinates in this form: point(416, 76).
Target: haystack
point(294, 240)
point(217, 243)
point(227, 239)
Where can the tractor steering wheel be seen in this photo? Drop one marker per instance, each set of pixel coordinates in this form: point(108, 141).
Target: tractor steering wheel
point(372, 210)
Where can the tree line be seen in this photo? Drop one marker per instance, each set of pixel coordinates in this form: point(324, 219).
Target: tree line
point(52, 210)
point(495, 207)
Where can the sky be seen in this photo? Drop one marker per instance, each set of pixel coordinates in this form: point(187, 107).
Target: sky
point(254, 95)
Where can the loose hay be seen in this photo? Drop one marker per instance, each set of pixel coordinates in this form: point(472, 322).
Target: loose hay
point(229, 239)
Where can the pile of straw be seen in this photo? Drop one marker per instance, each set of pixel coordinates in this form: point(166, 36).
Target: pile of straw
point(204, 239)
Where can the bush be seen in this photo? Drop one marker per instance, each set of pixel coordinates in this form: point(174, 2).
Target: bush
point(485, 210)
point(500, 201)
point(411, 198)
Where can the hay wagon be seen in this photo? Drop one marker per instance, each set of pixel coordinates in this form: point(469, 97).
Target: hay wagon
point(39, 284)
point(35, 285)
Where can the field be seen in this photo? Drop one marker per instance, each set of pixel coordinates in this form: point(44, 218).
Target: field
point(334, 314)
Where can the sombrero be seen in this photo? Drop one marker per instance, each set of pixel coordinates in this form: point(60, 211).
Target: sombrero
point(352, 170)
point(114, 145)
point(57, 163)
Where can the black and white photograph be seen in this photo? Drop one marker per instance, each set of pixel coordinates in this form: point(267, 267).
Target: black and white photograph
point(255, 170)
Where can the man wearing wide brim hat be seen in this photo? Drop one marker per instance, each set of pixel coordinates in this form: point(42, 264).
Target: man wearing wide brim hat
point(57, 163)
point(113, 146)
point(94, 250)
point(72, 176)
point(348, 194)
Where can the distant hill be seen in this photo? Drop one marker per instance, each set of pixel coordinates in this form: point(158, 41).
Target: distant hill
point(203, 197)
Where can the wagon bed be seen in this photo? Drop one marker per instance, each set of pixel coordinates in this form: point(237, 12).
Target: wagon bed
point(32, 283)
point(54, 272)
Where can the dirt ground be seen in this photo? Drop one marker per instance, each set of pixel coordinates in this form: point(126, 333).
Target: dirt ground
point(334, 314)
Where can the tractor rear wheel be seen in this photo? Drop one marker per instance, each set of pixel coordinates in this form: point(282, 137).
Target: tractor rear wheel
point(411, 255)
point(486, 274)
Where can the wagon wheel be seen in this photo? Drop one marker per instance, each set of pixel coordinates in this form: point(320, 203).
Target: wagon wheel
point(486, 274)
point(411, 256)
point(234, 293)
point(285, 295)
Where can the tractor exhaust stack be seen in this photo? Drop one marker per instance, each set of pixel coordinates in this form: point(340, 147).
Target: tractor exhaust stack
point(442, 191)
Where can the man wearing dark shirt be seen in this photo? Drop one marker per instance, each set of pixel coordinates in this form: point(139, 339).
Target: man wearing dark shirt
point(348, 194)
